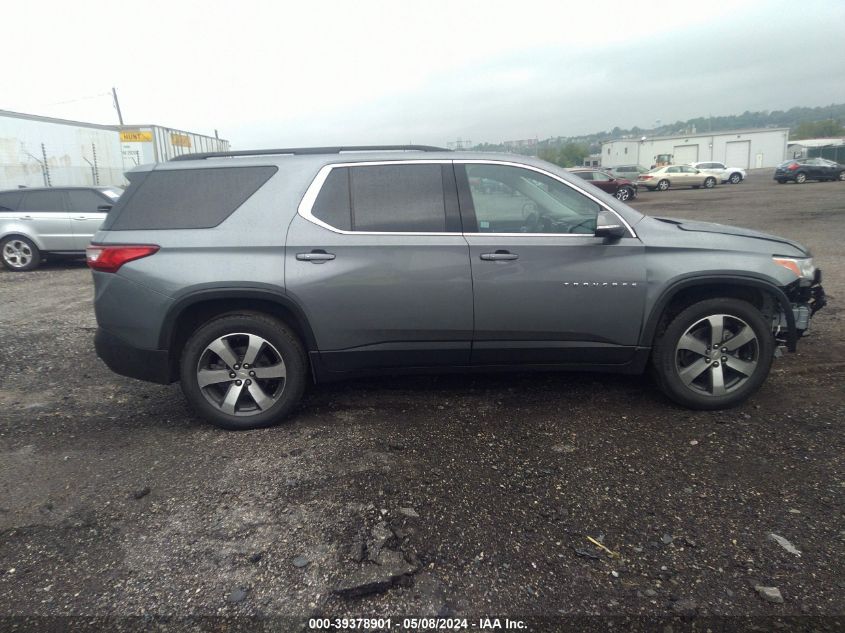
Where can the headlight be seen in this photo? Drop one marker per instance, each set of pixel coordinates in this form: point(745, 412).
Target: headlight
point(803, 267)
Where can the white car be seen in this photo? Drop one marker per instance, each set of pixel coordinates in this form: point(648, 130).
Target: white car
point(733, 175)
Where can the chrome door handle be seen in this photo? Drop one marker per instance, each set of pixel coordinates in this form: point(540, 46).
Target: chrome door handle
point(81, 217)
point(499, 256)
point(318, 257)
point(27, 217)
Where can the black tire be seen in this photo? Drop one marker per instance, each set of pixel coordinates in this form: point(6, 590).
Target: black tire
point(709, 183)
point(663, 185)
point(281, 340)
point(18, 253)
point(666, 356)
point(735, 178)
point(624, 193)
point(842, 175)
point(800, 178)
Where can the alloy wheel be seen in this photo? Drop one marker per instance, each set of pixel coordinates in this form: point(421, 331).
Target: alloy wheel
point(717, 355)
point(17, 254)
point(241, 374)
point(623, 194)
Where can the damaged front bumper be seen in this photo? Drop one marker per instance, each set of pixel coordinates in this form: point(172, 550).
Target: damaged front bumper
point(806, 298)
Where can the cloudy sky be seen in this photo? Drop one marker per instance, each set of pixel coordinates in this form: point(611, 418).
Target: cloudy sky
point(270, 74)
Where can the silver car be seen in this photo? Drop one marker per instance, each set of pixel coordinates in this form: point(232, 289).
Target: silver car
point(57, 220)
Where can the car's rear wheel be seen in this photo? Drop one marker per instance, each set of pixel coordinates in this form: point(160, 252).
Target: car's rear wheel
point(714, 354)
point(709, 183)
point(623, 193)
point(801, 178)
point(243, 370)
point(663, 185)
point(735, 178)
point(19, 253)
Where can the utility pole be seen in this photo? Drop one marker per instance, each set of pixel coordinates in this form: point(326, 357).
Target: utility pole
point(117, 105)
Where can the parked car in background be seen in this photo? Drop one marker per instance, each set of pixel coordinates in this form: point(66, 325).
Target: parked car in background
point(626, 171)
point(661, 178)
point(622, 188)
point(57, 220)
point(801, 170)
point(733, 175)
point(221, 274)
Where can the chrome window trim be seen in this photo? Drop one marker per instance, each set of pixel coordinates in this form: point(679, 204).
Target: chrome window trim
point(307, 203)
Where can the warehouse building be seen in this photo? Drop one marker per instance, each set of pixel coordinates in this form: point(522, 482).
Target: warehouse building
point(749, 149)
point(38, 151)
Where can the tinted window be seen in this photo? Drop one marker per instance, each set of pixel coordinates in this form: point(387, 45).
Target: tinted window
point(515, 200)
point(9, 201)
point(673, 170)
point(43, 201)
point(332, 203)
point(85, 201)
point(407, 198)
point(586, 175)
point(185, 198)
point(599, 176)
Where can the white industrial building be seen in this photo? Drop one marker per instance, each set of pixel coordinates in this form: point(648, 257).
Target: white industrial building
point(38, 151)
point(748, 149)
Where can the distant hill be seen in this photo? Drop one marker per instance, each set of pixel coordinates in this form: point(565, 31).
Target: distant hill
point(802, 122)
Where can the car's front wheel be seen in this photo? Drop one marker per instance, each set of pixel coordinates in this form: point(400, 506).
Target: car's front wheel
point(709, 183)
point(842, 175)
point(243, 370)
point(663, 185)
point(735, 178)
point(19, 253)
point(714, 354)
point(624, 193)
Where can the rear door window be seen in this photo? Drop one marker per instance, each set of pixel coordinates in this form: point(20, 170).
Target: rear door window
point(9, 201)
point(86, 201)
point(50, 201)
point(185, 198)
point(398, 198)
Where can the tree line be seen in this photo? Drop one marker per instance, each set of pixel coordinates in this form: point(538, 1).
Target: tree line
point(803, 123)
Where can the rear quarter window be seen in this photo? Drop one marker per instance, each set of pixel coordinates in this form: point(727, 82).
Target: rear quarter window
point(185, 198)
point(9, 201)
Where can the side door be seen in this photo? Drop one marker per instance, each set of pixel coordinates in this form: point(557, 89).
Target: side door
point(546, 289)
point(87, 213)
point(376, 259)
point(46, 212)
point(604, 182)
point(692, 176)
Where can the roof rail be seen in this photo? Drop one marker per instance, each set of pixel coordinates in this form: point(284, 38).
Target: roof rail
point(313, 150)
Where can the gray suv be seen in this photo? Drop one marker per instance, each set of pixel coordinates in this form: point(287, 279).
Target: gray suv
point(243, 274)
point(55, 220)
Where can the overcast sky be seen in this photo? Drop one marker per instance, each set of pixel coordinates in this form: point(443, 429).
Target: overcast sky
point(271, 74)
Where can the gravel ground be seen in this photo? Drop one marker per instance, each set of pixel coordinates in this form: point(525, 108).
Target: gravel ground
point(526, 496)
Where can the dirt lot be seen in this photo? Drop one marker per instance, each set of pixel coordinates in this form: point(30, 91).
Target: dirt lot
point(476, 494)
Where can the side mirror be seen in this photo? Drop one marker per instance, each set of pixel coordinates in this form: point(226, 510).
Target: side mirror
point(608, 226)
point(104, 208)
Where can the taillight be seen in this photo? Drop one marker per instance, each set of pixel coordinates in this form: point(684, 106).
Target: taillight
point(108, 259)
point(644, 177)
point(793, 167)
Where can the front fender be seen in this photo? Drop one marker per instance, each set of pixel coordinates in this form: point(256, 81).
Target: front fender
point(653, 319)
